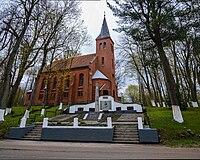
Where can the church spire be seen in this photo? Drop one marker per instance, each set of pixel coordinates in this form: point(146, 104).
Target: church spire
point(104, 29)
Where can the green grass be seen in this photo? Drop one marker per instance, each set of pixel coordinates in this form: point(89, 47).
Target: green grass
point(175, 134)
point(13, 119)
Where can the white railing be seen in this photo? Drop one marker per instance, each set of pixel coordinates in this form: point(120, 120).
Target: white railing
point(140, 124)
point(100, 116)
point(75, 124)
point(23, 122)
point(85, 117)
point(2, 111)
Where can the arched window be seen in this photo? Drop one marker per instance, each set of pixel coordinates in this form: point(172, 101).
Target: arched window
point(43, 84)
point(105, 92)
point(104, 45)
point(54, 83)
point(67, 81)
point(81, 79)
point(100, 46)
point(102, 60)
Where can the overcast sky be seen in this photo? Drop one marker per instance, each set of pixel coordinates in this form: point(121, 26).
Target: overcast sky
point(92, 14)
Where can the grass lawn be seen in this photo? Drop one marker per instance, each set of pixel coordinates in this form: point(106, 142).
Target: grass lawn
point(13, 119)
point(175, 134)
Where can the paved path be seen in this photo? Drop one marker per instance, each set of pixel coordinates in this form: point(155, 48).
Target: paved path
point(16, 149)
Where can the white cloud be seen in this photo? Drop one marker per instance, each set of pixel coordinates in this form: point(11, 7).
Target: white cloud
point(92, 14)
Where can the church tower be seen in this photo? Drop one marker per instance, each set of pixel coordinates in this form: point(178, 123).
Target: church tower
point(105, 54)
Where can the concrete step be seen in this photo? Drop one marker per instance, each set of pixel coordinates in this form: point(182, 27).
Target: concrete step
point(35, 133)
point(126, 136)
point(31, 139)
point(38, 125)
point(126, 139)
point(126, 120)
point(123, 133)
point(124, 127)
point(126, 124)
point(128, 117)
point(121, 126)
point(126, 133)
point(125, 130)
point(129, 142)
point(36, 129)
point(32, 136)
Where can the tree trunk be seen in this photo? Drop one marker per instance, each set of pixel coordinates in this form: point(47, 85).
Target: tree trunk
point(32, 99)
point(18, 80)
point(158, 89)
point(147, 82)
point(26, 86)
point(46, 93)
point(153, 87)
point(14, 91)
point(170, 83)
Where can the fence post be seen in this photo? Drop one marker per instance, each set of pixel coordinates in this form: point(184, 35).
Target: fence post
point(23, 123)
point(109, 122)
point(2, 111)
point(45, 123)
point(140, 125)
point(75, 124)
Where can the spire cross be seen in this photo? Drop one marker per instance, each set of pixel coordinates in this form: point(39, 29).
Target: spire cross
point(104, 13)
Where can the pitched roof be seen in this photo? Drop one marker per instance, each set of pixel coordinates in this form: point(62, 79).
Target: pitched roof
point(99, 75)
point(82, 61)
point(104, 30)
point(75, 62)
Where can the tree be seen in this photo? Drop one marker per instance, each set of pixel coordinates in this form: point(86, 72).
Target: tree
point(28, 51)
point(132, 91)
point(154, 19)
point(20, 16)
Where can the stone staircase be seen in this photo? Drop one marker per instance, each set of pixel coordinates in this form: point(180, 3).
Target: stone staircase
point(92, 117)
point(126, 129)
point(126, 133)
point(35, 133)
point(129, 117)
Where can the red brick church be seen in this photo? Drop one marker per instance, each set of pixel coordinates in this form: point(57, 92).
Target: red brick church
point(76, 84)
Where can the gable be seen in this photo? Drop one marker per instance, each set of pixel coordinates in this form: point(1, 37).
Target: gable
point(99, 75)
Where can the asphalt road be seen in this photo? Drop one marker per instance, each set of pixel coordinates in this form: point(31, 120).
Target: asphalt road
point(16, 149)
